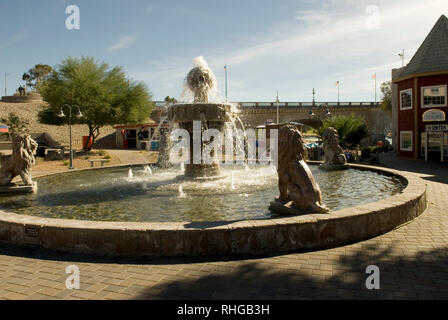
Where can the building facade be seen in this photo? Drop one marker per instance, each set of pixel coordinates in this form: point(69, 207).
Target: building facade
point(419, 93)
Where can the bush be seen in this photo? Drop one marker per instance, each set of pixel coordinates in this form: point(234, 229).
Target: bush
point(365, 153)
point(351, 129)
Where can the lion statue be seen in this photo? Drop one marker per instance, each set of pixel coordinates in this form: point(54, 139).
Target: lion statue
point(20, 162)
point(333, 154)
point(298, 189)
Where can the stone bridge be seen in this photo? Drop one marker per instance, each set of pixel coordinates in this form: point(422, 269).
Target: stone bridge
point(254, 114)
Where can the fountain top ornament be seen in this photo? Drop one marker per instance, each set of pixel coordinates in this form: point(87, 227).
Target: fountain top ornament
point(200, 80)
point(201, 83)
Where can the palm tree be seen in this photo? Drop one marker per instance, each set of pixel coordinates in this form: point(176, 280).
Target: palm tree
point(26, 77)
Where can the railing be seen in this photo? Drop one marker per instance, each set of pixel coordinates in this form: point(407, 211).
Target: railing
point(261, 104)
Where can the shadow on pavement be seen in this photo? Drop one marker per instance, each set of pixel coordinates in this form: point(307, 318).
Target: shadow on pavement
point(431, 171)
point(424, 276)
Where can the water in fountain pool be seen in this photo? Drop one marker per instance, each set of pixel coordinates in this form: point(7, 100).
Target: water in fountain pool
point(109, 195)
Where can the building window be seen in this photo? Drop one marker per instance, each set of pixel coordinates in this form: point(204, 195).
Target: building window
point(406, 140)
point(434, 96)
point(406, 99)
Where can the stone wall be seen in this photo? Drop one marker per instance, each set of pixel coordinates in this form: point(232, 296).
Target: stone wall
point(23, 99)
point(377, 121)
point(29, 112)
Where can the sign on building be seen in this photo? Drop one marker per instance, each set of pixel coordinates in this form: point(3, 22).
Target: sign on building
point(436, 127)
point(433, 115)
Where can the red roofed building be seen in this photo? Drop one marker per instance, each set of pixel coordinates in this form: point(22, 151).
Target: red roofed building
point(419, 99)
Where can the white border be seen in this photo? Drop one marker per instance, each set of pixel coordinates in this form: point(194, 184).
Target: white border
point(401, 140)
point(412, 103)
point(433, 105)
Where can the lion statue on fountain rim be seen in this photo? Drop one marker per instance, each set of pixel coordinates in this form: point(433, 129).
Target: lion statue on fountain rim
point(295, 180)
point(20, 162)
point(333, 154)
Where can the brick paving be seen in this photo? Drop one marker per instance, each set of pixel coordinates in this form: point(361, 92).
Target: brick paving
point(413, 261)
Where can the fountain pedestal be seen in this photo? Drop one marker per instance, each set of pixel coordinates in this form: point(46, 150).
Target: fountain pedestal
point(210, 116)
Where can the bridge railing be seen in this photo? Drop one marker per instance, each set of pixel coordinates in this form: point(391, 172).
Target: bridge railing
point(266, 104)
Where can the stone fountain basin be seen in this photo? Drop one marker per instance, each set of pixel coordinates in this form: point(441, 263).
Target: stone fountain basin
point(312, 231)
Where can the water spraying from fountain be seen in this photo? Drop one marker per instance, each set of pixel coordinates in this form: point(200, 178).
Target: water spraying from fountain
point(181, 193)
point(130, 174)
point(147, 170)
point(232, 181)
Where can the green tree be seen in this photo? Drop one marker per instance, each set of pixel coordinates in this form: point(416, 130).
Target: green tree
point(16, 125)
point(104, 95)
point(27, 78)
point(38, 74)
point(351, 129)
point(386, 100)
point(170, 100)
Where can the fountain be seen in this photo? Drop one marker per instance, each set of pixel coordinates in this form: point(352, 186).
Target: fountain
point(180, 210)
point(200, 81)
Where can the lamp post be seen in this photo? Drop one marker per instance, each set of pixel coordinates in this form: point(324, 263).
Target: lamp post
point(277, 101)
point(314, 92)
point(62, 115)
point(401, 55)
point(320, 111)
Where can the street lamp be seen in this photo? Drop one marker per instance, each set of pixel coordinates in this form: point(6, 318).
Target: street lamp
point(62, 115)
point(277, 101)
point(320, 111)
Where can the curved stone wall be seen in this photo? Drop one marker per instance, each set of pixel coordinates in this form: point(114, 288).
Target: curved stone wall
point(222, 237)
point(23, 99)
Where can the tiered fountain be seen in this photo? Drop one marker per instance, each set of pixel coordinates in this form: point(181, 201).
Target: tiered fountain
point(200, 81)
point(144, 211)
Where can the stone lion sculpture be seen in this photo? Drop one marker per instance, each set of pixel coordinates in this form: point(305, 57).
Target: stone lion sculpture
point(299, 192)
point(333, 154)
point(20, 162)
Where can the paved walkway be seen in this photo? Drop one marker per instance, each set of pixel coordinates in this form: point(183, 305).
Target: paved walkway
point(413, 262)
point(128, 156)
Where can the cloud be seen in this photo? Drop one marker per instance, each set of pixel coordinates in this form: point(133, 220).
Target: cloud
point(122, 43)
point(15, 38)
point(322, 43)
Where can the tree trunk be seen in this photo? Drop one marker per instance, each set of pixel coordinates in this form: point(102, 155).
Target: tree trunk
point(94, 131)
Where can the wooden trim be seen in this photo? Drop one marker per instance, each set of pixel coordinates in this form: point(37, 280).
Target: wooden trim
point(416, 120)
point(422, 74)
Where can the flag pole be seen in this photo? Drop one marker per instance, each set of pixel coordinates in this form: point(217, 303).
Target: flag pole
point(338, 90)
point(375, 87)
point(225, 69)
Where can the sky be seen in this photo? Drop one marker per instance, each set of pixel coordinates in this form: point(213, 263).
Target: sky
point(268, 45)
